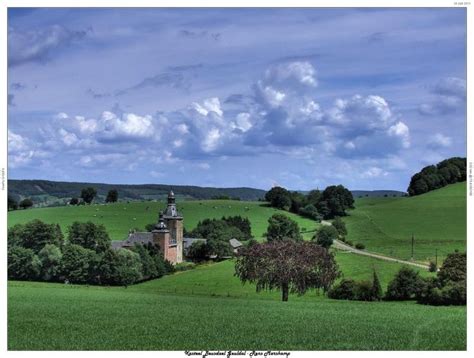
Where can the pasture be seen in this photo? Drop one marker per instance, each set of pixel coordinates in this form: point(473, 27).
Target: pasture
point(436, 219)
point(120, 217)
point(208, 309)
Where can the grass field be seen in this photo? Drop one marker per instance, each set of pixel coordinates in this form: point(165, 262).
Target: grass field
point(119, 218)
point(437, 220)
point(208, 308)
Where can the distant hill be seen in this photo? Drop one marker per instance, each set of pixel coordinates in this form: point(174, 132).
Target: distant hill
point(51, 193)
point(376, 193)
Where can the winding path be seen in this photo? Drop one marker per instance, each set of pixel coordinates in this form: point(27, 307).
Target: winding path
point(338, 244)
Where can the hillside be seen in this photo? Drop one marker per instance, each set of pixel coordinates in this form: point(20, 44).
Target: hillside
point(436, 219)
point(45, 192)
point(119, 218)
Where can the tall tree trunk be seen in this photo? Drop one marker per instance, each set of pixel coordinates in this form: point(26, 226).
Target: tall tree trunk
point(284, 292)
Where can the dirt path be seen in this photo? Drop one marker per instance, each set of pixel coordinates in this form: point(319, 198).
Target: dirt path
point(343, 246)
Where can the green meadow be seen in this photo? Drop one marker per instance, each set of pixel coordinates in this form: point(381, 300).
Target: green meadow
point(120, 217)
point(437, 220)
point(209, 309)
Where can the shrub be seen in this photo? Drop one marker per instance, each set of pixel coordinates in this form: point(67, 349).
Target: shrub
point(360, 246)
point(432, 267)
point(350, 243)
point(363, 291)
point(405, 286)
point(344, 290)
point(74, 201)
point(434, 293)
point(23, 264)
point(50, 257)
point(185, 266)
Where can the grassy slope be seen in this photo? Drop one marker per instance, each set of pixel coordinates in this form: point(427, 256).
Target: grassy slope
point(208, 308)
point(119, 218)
point(437, 219)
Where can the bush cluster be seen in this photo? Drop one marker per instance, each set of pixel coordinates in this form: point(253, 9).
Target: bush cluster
point(38, 251)
point(217, 233)
point(447, 288)
point(432, 177)
point(348, 289)
point(331, 202)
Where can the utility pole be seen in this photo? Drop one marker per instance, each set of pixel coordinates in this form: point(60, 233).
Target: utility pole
point(412, 245)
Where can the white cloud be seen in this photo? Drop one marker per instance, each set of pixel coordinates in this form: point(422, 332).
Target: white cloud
point(16, 143)
point(439, 141)
point(401, 131)
point(299, 72)
point(374, 172)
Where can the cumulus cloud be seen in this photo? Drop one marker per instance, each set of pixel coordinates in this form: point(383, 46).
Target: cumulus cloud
point(40, 45)
point(374, 172)
point(367, 126)
point(439, 141)
point(449, 95)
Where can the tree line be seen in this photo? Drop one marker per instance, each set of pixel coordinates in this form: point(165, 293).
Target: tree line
point(448, 287)
point(39, 252)
point(433, 177)
point(327, 204)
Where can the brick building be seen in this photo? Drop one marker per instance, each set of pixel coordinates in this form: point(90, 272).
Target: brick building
point(167, 234)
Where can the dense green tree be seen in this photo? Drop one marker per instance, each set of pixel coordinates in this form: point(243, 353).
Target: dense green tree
point(454, 268)
point(148, 263)
point(298, 201)
point(432, 177)
point(286, 265)
point(35, 235)
point(325, 236)
point(376, 289)
point(112, 196)
point(88, 194)
point(311, 212)
point(23, 264)
point(74, 201)
point(313, 197)
point(198, 251)
point(338, 199)
point(79, 265)
point(129, 267)
point(281, 227)
point(89, 235)
point(279, 198)
point(340, 226)
point(243, 224)
point(50, 257)
point(12, 203)
point(405, 285)
point(26, 203)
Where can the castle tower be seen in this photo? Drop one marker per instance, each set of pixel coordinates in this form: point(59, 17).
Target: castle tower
point(162, 238)
point(174, 222)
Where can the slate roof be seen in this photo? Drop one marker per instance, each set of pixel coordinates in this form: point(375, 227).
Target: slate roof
point(188, 241)
point(134, 238)
point(235, 243)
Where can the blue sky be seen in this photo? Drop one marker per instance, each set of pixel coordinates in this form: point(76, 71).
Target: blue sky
point(301, 98)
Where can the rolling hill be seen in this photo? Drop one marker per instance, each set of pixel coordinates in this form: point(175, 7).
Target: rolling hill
point(437, 220)
point(46, 192)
